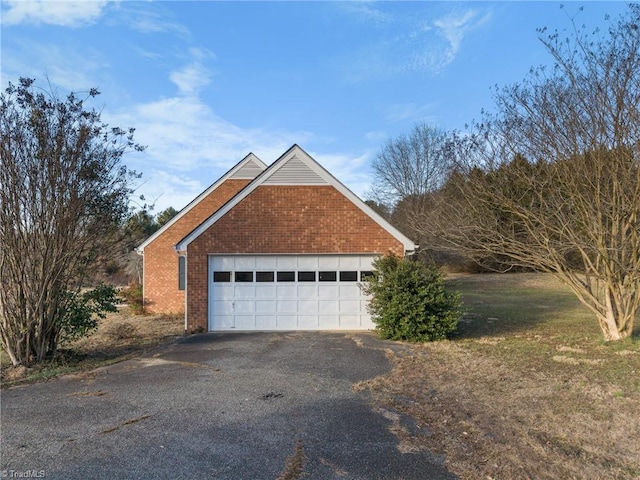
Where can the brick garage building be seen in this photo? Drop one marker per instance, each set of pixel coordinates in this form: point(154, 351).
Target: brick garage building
point(280, 248)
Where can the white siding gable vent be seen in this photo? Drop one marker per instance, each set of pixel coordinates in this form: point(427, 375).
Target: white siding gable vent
point(250, 170)
point(295, 172)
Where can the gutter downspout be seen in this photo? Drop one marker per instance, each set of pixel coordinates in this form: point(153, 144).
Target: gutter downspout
point(141, 253)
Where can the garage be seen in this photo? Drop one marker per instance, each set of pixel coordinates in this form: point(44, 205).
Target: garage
point(288, 292)
point(288, 251)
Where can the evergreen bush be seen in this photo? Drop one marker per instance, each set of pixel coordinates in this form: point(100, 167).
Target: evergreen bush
point(409, 301)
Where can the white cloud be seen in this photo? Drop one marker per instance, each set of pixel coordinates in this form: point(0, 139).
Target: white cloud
point(181, 132)
point(376, 136)
point(409, 111)
point(455, 27)
point(194, 76)
point(417, 43)
point(157, 19)
point(365, 11)
point(186, 140)
point(191, 78)
point(67, 13)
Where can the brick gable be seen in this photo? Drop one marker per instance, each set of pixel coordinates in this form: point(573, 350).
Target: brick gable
point(161, 294)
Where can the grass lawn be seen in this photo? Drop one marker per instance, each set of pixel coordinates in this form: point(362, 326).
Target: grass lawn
point(526, 389)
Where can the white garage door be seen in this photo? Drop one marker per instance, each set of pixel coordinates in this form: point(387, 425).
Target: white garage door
point(288, 292)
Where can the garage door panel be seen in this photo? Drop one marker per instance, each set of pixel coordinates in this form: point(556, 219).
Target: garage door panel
point(308, 321)
point(287, 306)
point(364, 306)
point(266, 306)
point(350, 292)
point(349, 321)
point(244, 307)
point(263, 291)
point(351, 263)
point(308, 306)
point(366, 263)
point(329, 262)
point(223, 291)
point(244, 292)
point(287, 263)
point(223, 263)
point(328, 291)
point(308, 263)
point(222, 299)
point(349, 306)
point(266, 322)
point(224, 321)
point(266, 263)
point(245, 263)
point(286, 291)
point(286, 322)
point(329, 321)
point(328, 306)
point(245, 322)
point(307, 291)
point(222, 308)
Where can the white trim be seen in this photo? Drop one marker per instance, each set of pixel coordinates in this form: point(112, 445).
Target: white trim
point(236, 172)
point(186, 288)
point(296, 152)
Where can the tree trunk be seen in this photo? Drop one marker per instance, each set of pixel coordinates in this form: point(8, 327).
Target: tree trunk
point(10, 351)
point(615, 324)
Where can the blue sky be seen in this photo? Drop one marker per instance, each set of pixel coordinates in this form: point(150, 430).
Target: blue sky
point(204, 83)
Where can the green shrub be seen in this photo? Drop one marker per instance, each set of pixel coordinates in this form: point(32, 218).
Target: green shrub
point(82, 310)
point(409, 301)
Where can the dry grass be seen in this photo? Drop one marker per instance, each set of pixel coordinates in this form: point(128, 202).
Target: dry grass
point(526, 390)
point(294, 467)
point(120, 336)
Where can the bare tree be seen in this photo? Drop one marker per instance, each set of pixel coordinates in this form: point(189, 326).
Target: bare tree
point(63, 195)
point(407, 170)
point(554, 179)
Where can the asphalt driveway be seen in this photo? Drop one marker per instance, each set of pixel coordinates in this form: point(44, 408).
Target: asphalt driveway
point(218, 406)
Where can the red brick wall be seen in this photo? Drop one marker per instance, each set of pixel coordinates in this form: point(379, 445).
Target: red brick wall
point(283, 219)
point(161, 294)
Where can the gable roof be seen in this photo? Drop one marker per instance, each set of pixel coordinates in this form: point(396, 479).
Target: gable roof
point(295, 167)
point(246, 169)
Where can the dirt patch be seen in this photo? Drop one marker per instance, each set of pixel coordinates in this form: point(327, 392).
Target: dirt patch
point(127, 422)
point(577, 361)
point(122, 331)
point(96, 393)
